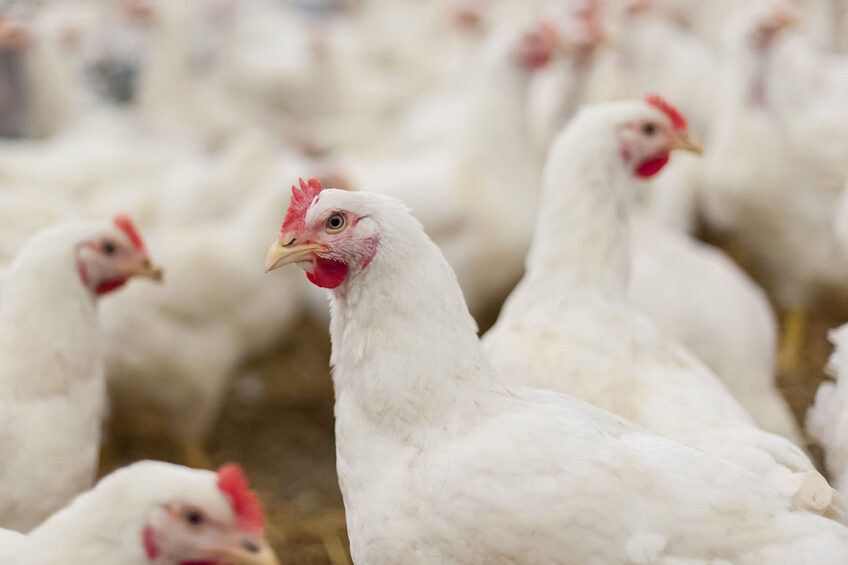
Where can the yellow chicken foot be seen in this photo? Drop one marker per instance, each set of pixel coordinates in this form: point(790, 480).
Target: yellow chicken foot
point(792, 340)
point(335, 549)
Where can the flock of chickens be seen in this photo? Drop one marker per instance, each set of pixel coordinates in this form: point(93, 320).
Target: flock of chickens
point(621, 410)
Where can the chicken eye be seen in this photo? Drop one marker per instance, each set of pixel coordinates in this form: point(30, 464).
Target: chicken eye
point(649, 129)
point(195, 517)
point(108, 248)
point(335, 223)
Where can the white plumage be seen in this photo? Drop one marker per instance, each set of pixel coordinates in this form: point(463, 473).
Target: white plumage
point(569, 327)
point(440, 462)
point(774, 169)
point(827, 419)
point(695, 294)
point(51, 379)
point(138, 515)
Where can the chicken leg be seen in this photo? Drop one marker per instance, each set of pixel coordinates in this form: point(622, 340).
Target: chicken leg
point(792, 340)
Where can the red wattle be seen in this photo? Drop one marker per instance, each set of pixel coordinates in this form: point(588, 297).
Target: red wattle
point(109, 286)
point(327, 273)
point(652, 166)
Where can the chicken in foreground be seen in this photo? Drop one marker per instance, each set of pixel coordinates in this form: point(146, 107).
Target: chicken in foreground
point(569, 326)
point(440, 461)
point(51, 378)
point(827, 419)
point(152, 513)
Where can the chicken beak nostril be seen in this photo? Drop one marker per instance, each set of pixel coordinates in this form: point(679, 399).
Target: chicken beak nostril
point(149, 270)
point(250, 546)
point(291, 242)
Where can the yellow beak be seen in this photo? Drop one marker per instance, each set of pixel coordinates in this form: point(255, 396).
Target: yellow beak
point(149, 270)
point(687, 143)
point(257, 552)
point(279, 254)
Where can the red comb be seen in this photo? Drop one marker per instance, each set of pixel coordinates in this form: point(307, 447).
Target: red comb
point(246, 506)
point(126, 225)
point(300, 201)
point(677, 119)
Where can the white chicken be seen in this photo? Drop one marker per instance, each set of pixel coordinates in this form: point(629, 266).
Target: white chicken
point(827, 419)
point(189, 335)
point(775, 168)
point(51, 380)
point(151, 512)
point(34, 94)
point(440, 461)
point(490, 156)
point(569, 327)
point(695, 294)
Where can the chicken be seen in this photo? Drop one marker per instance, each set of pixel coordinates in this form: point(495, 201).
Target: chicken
point(172, 350)
point(440, 461)
point(34, 99)
point(827, 419)
point(648, 51)
point(153, 512)
point(569, 327)
point(51, 378)
point(695, 294)
point(464, 192)
point(774, 169)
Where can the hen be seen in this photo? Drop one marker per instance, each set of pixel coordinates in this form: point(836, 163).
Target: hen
point(439, 461)
point(774, 169)
point(189, 335)
point(152, 512)
point(51, 378)
point(827, 419)
point(695, 294)
point(464, 192)
point(569, 327)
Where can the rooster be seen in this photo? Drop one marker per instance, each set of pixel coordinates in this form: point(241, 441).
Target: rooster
point(51, 379)
point(568, 326)
point(440, 461)
point(152, 512)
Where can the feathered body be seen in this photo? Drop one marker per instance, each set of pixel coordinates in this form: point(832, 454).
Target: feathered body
point(696, 295)
point(51, 376)
point(569, 327)
point(119, 520)
point(440, 462)
point(774, 169)
point(827, 419)
point(465, 189)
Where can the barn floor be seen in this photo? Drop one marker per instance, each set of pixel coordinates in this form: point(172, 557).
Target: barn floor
point(278, 422)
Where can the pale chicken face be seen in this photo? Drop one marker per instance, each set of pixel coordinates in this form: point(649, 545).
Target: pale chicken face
point(182, 533)
point(107, 262)
point(770, 24)
point(645, 143)
point(14, 35)
point(226, 528)
point(329, 242)
point(537, 46)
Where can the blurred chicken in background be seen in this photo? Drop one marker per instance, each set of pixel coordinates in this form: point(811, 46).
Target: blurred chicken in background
point(193, 117)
